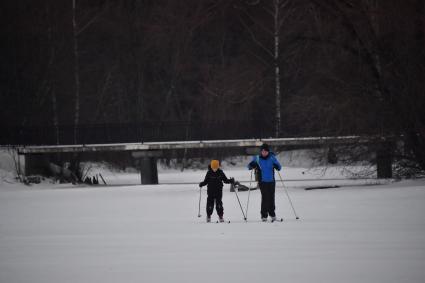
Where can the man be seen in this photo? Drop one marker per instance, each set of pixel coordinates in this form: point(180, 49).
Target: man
point(264, 164)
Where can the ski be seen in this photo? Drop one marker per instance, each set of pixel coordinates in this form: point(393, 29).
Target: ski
point(228, 221)
point(271, 221)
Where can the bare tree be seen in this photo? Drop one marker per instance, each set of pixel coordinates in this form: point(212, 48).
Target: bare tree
point(386, 37)
point(76, 70)
point(279, 11)
point(77, 29)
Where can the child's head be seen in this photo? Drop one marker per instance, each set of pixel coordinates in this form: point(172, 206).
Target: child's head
point(215, 164)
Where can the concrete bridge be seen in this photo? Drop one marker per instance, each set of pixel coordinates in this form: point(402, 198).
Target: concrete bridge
point(146, 154)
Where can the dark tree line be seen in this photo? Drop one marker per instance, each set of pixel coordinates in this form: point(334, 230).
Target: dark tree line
point(242, 68)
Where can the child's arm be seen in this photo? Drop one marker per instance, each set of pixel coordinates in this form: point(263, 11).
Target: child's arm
point(203, 183)
point(225, 180)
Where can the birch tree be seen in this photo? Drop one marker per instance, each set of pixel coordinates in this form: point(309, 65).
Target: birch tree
point(278, 11)
point(77, 29)
point(76, 70)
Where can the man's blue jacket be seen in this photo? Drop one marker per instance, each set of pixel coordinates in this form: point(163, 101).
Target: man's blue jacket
point(265, 166)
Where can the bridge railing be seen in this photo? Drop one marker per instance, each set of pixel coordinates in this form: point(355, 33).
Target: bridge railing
point(140, 132)
point(158, 131)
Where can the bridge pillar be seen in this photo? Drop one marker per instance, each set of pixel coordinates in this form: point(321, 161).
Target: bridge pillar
point(384, 160)
point(146, 162)
point(35, 164)
point(148, 170)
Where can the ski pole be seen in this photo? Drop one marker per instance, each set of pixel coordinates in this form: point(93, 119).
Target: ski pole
point(199, 208)
point(249, 192)
point(244, 217)
point(289, 199)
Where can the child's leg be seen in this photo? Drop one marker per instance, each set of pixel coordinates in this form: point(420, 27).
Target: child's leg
point(210, 205)
point(219, 203)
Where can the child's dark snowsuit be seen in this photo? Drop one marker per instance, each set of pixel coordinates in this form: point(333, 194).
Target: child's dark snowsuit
point(214, 182)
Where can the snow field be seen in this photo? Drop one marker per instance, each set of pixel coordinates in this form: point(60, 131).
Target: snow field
point(55, 233)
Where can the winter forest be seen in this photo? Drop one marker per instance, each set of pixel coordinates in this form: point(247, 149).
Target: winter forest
point(103, 71)
point(192, 141)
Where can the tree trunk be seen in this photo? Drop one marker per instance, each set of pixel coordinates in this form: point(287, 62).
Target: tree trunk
point(76, 73)
point(276, 66)
point(52, 82)
point(418, 138)
point(55, 115)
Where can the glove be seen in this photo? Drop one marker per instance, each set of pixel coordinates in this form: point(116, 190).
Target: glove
point(232, 180)
point(200, 185)
point(250, 167)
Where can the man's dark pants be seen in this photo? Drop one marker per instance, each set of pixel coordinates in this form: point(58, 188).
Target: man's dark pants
point(267, 199)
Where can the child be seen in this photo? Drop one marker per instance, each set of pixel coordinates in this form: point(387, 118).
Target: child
point(214, 179)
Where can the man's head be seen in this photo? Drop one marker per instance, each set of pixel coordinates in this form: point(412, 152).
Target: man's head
point(265, 149)
point(215, 164)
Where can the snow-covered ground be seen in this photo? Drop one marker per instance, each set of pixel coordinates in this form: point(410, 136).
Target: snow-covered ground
point(62, 233)
point(125, 232)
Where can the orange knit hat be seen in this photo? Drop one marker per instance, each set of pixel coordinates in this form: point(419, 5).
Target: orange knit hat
point(215, 164)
